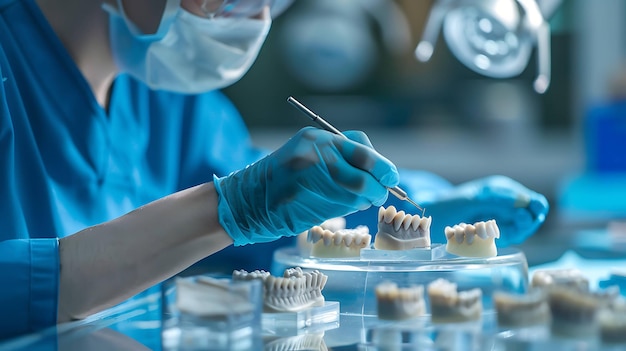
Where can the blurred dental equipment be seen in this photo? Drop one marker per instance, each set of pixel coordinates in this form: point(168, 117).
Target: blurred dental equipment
point(336, 40)
point(395, 191)
point(494, 38)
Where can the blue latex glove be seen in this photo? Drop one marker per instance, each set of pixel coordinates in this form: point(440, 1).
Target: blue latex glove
point(315, 176)
point(518, 211)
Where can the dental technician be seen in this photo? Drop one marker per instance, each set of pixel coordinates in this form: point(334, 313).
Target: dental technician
point(122, 164)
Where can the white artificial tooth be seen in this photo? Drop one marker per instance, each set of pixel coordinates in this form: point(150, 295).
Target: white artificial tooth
point(366, 240)
point(406, 222)
point(269, 283)
point(274, 283)
point(458, 228)
point(381, 214)
point(481, 231)
point(491, 233)
point(469, 238)
point(427, 222)
point(327, 236)
point(415, 222)
point(301, 285)
point(315, 234)
point(470, 233)
point(357, 238)
point(291, 272)
point(323, 280)
point(496, 230)
point(338, 238)
point(348, 239)
point(390, 212)
point(459, 233)
point(459, 237)
point(449, 231)
point(363, 229)
point(397, 220)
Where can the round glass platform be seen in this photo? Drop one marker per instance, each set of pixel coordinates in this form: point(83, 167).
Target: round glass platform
point(352, 281)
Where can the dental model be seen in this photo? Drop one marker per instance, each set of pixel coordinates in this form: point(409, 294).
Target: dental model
point(473, 240)
point(333, 224)
point(613, 323)
point(400, 231)
point(395, 303)
point(521, 310)
point(312, 341)
point(571, 278)
point(449, 306)
point(338, 244)
point(295, 291)
point(574, 312)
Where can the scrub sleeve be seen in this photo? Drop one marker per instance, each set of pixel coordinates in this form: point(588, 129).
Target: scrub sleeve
point(30, 283)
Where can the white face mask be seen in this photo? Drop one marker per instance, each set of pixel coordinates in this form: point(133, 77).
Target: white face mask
point(193, 55)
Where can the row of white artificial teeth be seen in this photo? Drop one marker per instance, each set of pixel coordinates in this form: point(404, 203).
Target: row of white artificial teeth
point(466, 232)
point(357, 237)
point(278, 286)
point(510, 301)
point(244, 275)
point(390, 291)
point(445, 291)
point(564, 277)
point(399, 219)
point(294, 281)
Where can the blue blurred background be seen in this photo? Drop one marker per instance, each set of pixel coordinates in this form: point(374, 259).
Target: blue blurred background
point(353, 63)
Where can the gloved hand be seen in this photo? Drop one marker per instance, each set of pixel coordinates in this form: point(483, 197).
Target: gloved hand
point(315, 176)
point(518, 211)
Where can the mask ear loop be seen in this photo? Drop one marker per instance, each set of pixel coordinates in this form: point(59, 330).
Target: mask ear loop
point(169, 12)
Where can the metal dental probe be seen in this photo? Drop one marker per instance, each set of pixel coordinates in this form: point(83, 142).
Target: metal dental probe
point(396, 190)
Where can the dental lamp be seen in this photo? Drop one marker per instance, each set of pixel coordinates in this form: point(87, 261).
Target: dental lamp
point(494, 38)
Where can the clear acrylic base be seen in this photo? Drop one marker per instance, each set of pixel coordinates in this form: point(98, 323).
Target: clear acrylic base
point(310, 320)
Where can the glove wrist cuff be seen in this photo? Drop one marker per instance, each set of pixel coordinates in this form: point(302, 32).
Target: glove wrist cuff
point(226, 216)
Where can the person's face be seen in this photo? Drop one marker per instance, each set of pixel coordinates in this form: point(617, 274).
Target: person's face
point(146, 14)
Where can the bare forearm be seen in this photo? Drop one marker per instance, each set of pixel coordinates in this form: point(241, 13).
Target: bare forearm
point(105, 264)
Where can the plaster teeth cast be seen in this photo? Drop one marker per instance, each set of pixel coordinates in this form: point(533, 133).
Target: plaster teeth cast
point(395, 303)
point(571, 278)
point(448, 305)
point(338, 244)
point(522, 310)
point(400, 231)
point(333, 224)
point(295, 291)
point(613, 323)
point(473, 240)
point(574, 312)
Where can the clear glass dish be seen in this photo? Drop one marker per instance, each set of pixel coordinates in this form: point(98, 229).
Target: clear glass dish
point(352, 281)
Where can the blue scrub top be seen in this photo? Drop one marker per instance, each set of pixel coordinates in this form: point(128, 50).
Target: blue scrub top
point(67, 164)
